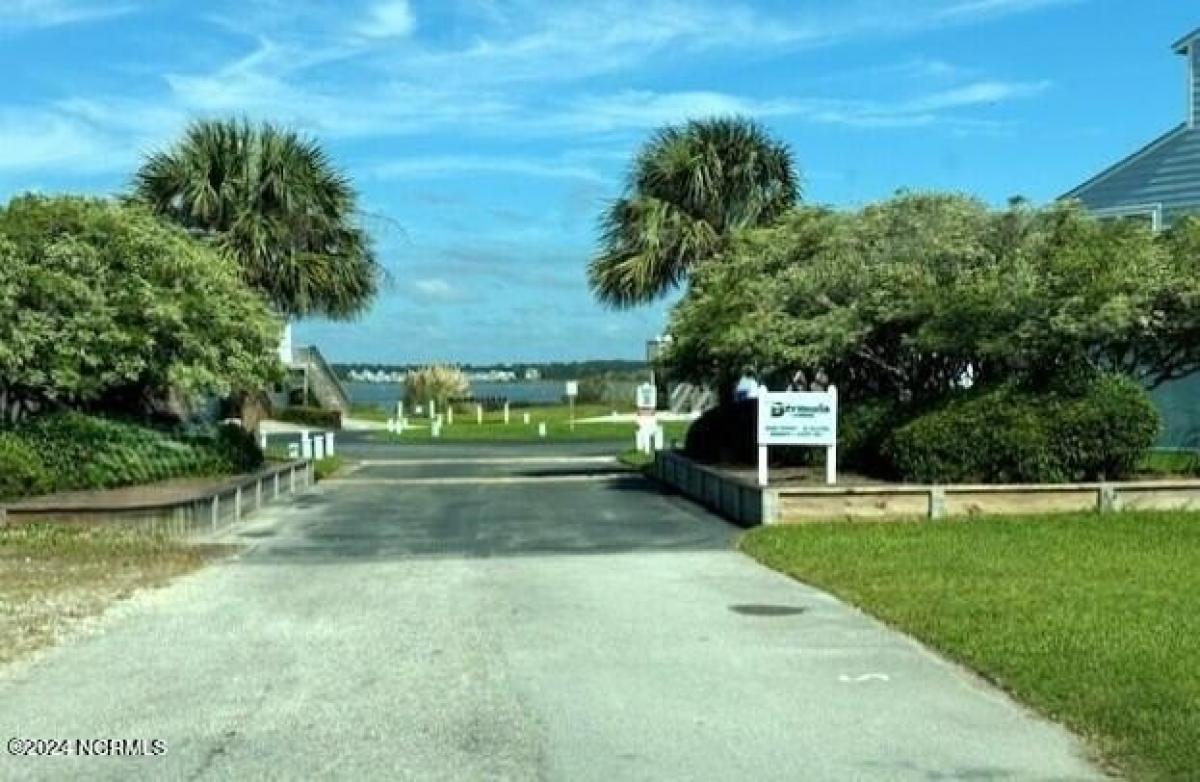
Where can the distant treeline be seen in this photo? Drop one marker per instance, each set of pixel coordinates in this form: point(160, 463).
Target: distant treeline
point(555, 370)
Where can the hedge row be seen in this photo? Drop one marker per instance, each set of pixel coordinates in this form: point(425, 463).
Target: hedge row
point(316, 417)
point(72, 451)
point(1007, 435)
point(1095, 431)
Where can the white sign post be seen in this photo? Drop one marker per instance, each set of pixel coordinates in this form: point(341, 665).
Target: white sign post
point(649, 434)
point(572, 392)
point(798, 418)
point(506, 412)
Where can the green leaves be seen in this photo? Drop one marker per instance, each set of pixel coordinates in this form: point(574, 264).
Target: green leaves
point(690, 188)
point(97, 298)
point(274, 202)
point(908, 299)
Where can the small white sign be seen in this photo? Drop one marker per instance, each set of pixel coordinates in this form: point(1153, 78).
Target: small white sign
point(647, 396)
point(797, 418)
point(572, 388)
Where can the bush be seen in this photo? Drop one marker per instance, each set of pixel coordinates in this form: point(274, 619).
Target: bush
point(237, 449)
point(87, 452)
point(22, 472)
point(1005, 435)
point(727, 434)
point(437, 384)
point(315, 417)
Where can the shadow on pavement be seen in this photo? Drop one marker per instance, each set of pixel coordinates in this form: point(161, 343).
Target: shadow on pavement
point(372, 522)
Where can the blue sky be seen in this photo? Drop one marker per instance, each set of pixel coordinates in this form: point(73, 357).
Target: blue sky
point(486, 135)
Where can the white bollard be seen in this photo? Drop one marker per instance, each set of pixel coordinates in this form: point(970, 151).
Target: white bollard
point(391, 425)
point(262, 438)
point(329, 443)
point(432, 409)
point(506, 413)
point(306, 446)
point(400, 410)
point(450, 414)
point(526, 417)
point(479, 414)
point(318, 442)
point(541, 429)
point(435, 428)
point(659, 437)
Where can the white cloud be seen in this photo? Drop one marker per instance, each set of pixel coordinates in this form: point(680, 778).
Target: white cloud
point(438, 166)
point(437, 289)
point(388, 19)
point(24, 14)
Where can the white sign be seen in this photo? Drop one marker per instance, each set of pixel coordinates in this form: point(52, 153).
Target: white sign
point(795, 418)
point(647, 396)
point(572, 388)
point(798, 418)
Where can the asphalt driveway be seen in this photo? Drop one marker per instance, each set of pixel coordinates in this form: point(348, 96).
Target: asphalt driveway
point(565, 623)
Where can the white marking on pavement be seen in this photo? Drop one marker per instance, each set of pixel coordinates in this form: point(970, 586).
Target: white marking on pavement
point(865, 677)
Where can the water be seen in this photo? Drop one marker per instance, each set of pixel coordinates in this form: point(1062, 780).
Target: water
point(530, 391)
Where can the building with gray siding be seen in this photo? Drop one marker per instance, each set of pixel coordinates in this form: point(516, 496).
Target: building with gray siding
point(1161, 181)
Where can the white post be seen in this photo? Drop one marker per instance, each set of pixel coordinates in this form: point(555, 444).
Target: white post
point(276, 485)
point(400, 411)
point(542, 429)
point(526, 419)
point(432, 409)
point(479, 414)
point(306, 445)
point(329, 443)
point(831, 450)
point(762, 465)
point(506, 412)
point(262, 437)
point(318, 444)
point(450, 414)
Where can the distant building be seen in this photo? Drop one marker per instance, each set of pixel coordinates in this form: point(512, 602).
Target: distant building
point(533, 374)
point(1161, 181)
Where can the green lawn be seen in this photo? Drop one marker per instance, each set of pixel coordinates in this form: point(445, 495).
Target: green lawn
point(1094, 620)
point(556, 417)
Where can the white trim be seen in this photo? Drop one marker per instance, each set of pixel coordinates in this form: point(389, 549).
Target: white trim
point(1155, 212)
point(1192, 84)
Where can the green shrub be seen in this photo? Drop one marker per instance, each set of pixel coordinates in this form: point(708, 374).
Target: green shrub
point(88, 452)
point(22, 472)
point(315, 417)
point(726, 434)
point(1005, 434)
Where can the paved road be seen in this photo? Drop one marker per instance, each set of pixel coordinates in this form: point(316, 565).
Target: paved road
point(569, 625)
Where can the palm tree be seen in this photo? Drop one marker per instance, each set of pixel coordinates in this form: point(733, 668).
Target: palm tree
point(274, 201)
point(690, 187)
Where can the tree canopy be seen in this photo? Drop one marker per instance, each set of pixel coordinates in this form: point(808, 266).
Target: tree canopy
point(690, 187)
point(272, 200)
point(913, 298)
point(99, 299)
